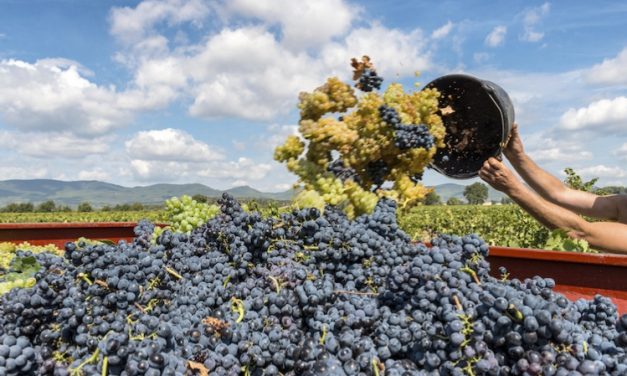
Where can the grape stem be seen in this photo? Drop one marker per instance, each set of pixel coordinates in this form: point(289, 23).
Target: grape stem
point(105, 366)
point(458, 304)
point(174, 273)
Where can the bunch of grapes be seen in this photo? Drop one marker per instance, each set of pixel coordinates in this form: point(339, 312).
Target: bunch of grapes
point(350, 146)
point(186, 214)
point(9, 279)
point(8, 251)
point(304, 293)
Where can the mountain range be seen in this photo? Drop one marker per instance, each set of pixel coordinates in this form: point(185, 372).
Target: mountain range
point(100, 193)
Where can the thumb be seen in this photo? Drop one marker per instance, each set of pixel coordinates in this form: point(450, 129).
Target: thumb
point(494, 163)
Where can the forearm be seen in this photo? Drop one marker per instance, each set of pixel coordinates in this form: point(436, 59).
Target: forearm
point(550, 215)
point(545, 184)
point(604, 236)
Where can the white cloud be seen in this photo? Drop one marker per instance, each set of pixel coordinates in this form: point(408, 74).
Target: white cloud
point(544, 148)
point(621, 152)
point(605, 115)
point(394, 52)
point(169, 145)
point(610, 71)
point(243, 168)
point(53, 95)
point(254, 70)
point(481, 57)
point(602, 171)
point(53, 145)
point(496, 36)
point(442, 31)
point(248, 73)
point(171, 171)
point(174, 155)
point(15, 172)
point(303, 24)
point(95, 174)
point(282, 187)
point(131, 25)
point(531, 18)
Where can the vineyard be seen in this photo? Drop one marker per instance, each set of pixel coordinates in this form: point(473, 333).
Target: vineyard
point(502, 225)
point(89, 217)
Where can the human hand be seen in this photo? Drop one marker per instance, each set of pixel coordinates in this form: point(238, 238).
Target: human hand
point(501, 178)
point(514, 147)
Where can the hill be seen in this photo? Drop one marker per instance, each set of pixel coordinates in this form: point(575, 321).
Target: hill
point(100, 193)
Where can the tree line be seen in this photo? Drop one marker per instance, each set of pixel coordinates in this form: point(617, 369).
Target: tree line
point(50, 206)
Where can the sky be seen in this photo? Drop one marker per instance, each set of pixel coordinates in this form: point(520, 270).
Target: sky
point(199, 91)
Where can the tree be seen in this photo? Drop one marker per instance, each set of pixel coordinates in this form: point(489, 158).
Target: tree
point(200, 198)
point(476, 193)
point(21, 207)
point(136, 206)
point(574, 181)
point(46, 206)
point(506, 201)
point(433, 198)
point(454, 201)
point(85, 207)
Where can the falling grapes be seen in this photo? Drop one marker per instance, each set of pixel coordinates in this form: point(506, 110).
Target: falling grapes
point(349, 147)
point(304, 293)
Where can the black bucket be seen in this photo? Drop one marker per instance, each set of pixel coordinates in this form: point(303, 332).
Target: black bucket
point(478, 116)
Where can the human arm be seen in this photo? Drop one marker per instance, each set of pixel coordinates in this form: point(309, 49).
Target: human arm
point(606, 236)
point(613, 207)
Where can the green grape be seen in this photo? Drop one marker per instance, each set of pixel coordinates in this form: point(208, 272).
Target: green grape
point(361, 139)
point(185, 214)
point(7, 251)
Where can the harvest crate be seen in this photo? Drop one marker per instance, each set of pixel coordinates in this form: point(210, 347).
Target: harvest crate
point(577, 275)
point(60, 233)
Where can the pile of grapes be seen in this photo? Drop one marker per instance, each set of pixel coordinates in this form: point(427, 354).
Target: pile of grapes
point(350, 146)
point(303, 293)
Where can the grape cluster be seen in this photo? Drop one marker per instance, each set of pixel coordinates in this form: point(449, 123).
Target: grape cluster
point(9, 276)
point(304, 293)
point(369, 81)
point(390, 116)
point(339, 170)
point(406, 136)
point(186, 214)
point(413, 136)
point(377, 171)
point(335, 125)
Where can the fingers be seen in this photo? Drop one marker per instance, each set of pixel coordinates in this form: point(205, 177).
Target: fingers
point(494, 163)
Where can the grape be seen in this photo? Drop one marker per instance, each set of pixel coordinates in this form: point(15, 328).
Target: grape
point(186, 214)
point(369, 81)
point(350, 147)
point(342, 172)
point(306, 292)
point(413, 136)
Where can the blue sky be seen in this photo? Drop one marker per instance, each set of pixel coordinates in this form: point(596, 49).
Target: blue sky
point(178, 91)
